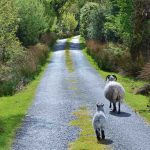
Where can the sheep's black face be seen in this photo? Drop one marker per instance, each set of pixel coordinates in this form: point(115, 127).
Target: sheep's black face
point(100, 107)
point(111, 78)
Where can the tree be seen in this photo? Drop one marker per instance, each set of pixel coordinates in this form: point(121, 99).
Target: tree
point(69, 23)
point(118, 25)
point(9, 44)
point(141, 30)
point(92, 21)
point(32, 21)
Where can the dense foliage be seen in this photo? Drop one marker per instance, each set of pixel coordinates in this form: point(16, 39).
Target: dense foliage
point(32, 21)
point(115, 31)
point(22, 23)
point(11, 51)
point(118, 26)
point(122, 22)
point(92, 21)
point(69, 23)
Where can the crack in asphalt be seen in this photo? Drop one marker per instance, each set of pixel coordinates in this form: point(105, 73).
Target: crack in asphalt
point(46, 125)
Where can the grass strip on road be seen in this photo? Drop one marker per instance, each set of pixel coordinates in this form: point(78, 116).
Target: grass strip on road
point(14, 108)
point(87, 139)
point(68, 58)
point(137, 102)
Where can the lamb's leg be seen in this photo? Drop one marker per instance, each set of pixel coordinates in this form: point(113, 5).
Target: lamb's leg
point(119, 107)
point(97, 131)
point(114, 107)
point(103, 134)
point(110, 105)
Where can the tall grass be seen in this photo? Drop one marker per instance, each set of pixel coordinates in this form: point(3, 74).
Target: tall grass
point(13, 109)
point(19, 74)
point(20, 71)
point(113, 57)
point(145, 73)
point(139, 103)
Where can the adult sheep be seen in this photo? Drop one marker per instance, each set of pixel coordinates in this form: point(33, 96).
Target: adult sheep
point(114, 92)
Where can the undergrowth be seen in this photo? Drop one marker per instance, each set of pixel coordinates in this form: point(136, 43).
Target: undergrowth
point(14, 108)
point(138, 103)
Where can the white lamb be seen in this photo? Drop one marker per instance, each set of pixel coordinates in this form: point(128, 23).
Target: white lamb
point(114, 92)
point(99, 122)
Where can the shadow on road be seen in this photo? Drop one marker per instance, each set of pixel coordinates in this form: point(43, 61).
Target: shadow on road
point(106, 142)
point(73, 46)
point(122, 114)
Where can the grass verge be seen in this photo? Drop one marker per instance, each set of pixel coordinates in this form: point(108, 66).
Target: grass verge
point(14, 108)
point(87, 139)
point(68, 58)
point(137, 102)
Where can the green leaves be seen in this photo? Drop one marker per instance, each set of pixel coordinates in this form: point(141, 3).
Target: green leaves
point(32, 21)
point(69, 23)
point(92, 21)
point(118, 26)
point(9, 44)
point(25, 21)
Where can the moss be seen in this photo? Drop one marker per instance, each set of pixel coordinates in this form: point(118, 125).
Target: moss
point(87, 139)
point(68, 58)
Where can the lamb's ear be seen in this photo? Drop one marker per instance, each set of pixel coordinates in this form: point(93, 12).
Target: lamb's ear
point(115, 76)
point(107, 77)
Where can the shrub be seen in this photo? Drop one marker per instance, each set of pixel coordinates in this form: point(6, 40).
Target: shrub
point(32, 21)
point(92, 21)
point(14, 76)
point(108, 56)
point(48, 38)
point(9, 45)
point(34, 58)
point(145, 73)
point(69, 23)
point(118, 25)
point(11, 51)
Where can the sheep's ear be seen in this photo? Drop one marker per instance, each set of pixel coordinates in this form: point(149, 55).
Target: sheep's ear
point(115, 76)
point(97, 104)
point(107, 77)
point(102, 105)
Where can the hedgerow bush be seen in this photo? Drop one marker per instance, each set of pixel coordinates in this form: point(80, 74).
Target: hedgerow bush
point(11, 50)
point(109, 57)
point(92, 21)
point(17, 74)
point(33, 21)
point(118, 26)
point(21, 20)
point(145, 73)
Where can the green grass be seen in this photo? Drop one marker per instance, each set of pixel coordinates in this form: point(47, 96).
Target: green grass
point(87, 139)
point(68, 58)
point(14, 108)
point(137, 102)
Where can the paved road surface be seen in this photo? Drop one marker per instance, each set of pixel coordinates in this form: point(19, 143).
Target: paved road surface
point(60, 93)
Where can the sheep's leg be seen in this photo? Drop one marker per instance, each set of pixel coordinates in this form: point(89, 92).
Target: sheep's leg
point(114, 107)
point(110, 105)
point(97, 134)
point(119, 107)
point(103, 134)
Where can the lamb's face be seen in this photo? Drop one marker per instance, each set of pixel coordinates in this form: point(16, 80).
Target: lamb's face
point(111, 78)
point(100, 107)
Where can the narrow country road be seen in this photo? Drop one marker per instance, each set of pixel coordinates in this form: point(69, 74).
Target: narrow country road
point(46, 126)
